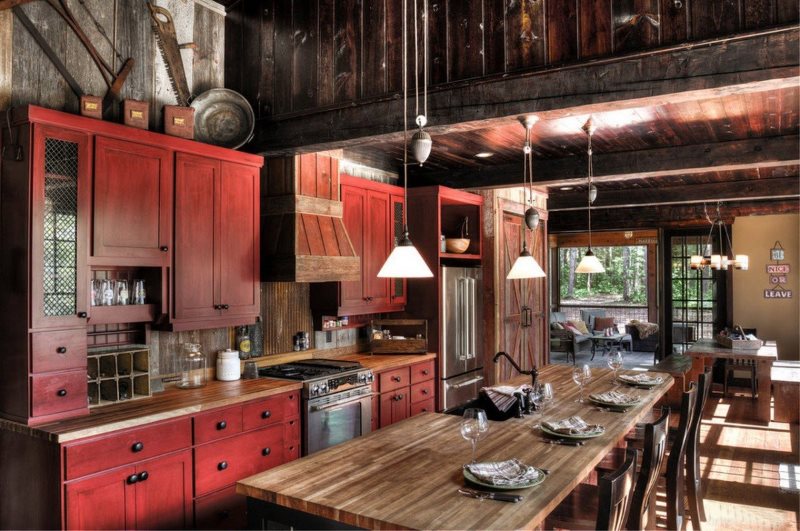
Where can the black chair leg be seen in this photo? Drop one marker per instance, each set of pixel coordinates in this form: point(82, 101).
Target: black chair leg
point(696, 509)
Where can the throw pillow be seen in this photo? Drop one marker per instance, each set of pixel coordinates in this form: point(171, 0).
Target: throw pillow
point(555, 325)
point(601, 323)
point(581, 326)
point(568, 326)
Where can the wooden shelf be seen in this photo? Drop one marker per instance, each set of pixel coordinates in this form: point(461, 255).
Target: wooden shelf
point(457, 256)
point(132, 313)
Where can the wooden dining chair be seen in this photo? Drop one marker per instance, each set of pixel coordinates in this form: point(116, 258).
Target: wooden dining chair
point(675, 477)
point(694, 492)
point(737, 364)
point(602, 506)
point(642, 512)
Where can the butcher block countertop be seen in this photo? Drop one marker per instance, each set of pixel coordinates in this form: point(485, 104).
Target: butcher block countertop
point(407, 475)
point(174, 402)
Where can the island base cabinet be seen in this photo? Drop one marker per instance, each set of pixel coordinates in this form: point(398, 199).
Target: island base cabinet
point(221, 510)
point(154, 494)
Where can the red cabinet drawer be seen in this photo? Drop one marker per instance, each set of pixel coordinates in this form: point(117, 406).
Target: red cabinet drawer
point(422, 371)
point(291, 431)
point(422, 391)
point(271, 410)
point(120, 448)
point(58, 351)
point(395, 379)
point(58, 392)
point(221, 510)
point(217, 424)
point(291, 452)
point(423, 407)
point(223, 463)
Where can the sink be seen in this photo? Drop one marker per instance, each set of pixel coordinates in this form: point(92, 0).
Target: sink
point(482, 402)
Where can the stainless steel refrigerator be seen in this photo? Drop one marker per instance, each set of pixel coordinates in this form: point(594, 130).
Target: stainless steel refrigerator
point(462, 335)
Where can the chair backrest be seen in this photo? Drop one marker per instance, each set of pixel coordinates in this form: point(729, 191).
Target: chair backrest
point(587, 316)
point(655, 448)
point(676, 459)
point(693, 439)
point(614, 491)
point(558, 317)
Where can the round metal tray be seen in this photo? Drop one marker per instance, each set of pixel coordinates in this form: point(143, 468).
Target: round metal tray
point(223, 117)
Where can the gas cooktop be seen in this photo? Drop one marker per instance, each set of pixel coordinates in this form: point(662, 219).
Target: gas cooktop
point(309, 369)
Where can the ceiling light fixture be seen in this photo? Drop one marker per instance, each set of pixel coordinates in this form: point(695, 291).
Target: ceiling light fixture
point(484, 154)
point(719, 261)
point(526, 265)
point(405, 260)
point(589, 262)
point(421, 142)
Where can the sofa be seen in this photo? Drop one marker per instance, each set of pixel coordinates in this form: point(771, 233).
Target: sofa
point(565, 340)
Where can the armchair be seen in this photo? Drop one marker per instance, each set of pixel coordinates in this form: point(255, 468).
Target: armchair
point(566, 340)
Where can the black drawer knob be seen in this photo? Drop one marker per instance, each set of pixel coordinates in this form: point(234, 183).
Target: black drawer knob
point(137, 447)
point(83, 315)
point(266, 414)
point(61, 350)
point(425, 372)
point(164, 248)
point(225, 306)
point(266, 451)
point(133, 478)
point(424, 391)
point(221, 425)
point(222, 466)
point(396, 378)
point(61, 392)
point(143, 476)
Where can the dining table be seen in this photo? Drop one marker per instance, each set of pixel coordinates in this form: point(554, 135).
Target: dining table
point(705, 351)
point(408, 475)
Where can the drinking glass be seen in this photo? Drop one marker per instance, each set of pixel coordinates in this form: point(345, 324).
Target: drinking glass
point(96, 287)
point(537, 397)
point(138, 292)
point(123, 296)
point(473, 426)
point(107, 292)
point(547, 394)
point(581, 376)
point(615, 362)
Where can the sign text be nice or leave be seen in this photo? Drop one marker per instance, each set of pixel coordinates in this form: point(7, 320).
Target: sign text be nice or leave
point(778, 275)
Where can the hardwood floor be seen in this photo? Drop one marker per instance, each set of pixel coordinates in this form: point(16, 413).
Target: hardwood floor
point(740, 461)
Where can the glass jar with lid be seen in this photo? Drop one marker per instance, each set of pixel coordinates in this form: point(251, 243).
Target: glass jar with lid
point(193, 367)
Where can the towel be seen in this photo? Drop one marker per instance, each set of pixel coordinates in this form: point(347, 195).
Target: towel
point(644, 329)
point(615, 397)
point(502, 396)
point(504, 473)
point(640, 379)
point(573, 426)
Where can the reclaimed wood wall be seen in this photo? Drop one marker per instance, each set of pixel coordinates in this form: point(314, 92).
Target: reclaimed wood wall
point(289, 56)
point(285, 310)
point(27, 75)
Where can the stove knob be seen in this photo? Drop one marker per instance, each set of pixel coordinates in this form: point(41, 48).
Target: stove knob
point(333, 385)
point(315, 390)
point(370, 377)
point(362, 378)
point(323, 388)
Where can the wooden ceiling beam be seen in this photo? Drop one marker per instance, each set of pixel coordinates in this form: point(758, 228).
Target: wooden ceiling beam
point(764, 60)
point(767, 152)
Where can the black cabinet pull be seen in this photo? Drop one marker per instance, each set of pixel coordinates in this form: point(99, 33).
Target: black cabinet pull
point(396, 378)
point(163, 248)
point(425, 372)
point(266, 414)
point(424, 391)
point(222, 466)
point(83, 315)
point(221, 425)
point(61, 392)
point(265, 452)
point(61, 350)
point(137, 446)
point(217, 306)
point(143, 476)
point(225, 306)
point(133, 478)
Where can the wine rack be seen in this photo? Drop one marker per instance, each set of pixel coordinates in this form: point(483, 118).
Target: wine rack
point(118, 374)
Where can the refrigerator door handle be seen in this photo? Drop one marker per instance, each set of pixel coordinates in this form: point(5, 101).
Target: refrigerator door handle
point(472, 310)
point(461, 322)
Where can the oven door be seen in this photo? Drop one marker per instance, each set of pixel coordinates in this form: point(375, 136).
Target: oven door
point(337, 418)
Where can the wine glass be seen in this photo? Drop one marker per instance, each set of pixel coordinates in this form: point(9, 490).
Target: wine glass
point(581, 376)
point(537, 397)
point(474, 425)
point(615, 362)
point(547, 394)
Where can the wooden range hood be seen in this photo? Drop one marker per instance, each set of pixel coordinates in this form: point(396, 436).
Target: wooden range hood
point(303, 238)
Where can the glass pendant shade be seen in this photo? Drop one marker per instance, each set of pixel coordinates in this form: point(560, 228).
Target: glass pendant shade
point(696, 261)
point(525, 266)
point(590, 264)
point(742, 262)
point(405, 262)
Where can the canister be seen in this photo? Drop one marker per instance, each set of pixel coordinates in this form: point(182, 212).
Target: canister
point(228, 365)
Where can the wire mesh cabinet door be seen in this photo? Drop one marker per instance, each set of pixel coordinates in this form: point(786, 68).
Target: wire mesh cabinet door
point(60, 198)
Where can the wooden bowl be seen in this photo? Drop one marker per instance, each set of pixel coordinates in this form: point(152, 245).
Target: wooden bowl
point(456, 245)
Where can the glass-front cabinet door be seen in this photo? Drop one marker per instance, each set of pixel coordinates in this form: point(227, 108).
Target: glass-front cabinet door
point(59, 209)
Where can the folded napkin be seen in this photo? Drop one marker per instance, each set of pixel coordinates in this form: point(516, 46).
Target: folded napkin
point(502, 396)
point(615, 397)
point(504, 473)
point(641, 379)
point(573, 426)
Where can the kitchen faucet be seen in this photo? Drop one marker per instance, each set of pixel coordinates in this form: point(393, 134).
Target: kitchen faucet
point(533, 372)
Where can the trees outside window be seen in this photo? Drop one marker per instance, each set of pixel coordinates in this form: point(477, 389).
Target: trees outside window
point(623, 284)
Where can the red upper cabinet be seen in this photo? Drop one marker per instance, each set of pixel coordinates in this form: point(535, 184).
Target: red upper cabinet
point(132, 222)
point(354, 199)
point(216, 273)
point(378, 246)
point(398, 294)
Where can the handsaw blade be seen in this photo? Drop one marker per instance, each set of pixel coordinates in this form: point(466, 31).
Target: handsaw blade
point(168, 45)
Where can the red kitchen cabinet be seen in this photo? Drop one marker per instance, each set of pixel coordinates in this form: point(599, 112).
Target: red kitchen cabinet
point(378, 247)
point(132, 215)
point(405, 391)
point(216, 273)
point(395, 406)
point(354, 199)
point(154, 494)
point(398, 295)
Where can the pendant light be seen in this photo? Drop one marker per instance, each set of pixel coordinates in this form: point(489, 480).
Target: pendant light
point(421, 142)
point(526, 265)
point(722, 260)
point(404, 260)
point(589, 262)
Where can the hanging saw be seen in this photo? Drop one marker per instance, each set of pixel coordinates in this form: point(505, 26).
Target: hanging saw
point(167, 41)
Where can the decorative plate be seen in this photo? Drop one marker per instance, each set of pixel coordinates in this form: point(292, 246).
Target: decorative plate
point(571, 435)
point(613, 405)
point(629, 381)
point(472, 479)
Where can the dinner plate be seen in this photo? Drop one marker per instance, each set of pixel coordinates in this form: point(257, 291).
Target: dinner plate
point(571, 435)
point(634, 383)
point(613, 405)
point(472, 479)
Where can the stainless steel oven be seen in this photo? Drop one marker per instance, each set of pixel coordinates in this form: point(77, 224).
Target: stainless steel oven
point(336, 418)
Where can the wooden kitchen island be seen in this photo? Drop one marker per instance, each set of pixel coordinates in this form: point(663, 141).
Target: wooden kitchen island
point(407, 475)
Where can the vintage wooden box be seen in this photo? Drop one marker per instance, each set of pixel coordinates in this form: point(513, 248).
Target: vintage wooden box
point(92, 106)
point(414, 334)
point(179, 121)
point(136, 113)
point(745, 344)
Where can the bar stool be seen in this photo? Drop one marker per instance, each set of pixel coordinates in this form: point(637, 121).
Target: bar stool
point(605, 506)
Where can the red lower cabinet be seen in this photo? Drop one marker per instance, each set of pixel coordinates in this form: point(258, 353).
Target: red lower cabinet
point(221, 510)
point(154, 494)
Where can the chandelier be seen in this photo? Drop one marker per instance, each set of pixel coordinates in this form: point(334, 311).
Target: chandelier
point(722, 260)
